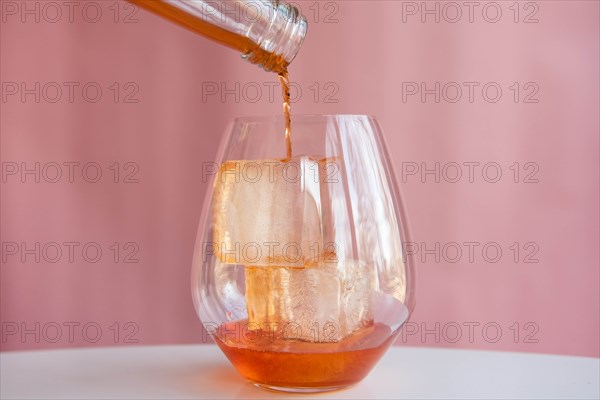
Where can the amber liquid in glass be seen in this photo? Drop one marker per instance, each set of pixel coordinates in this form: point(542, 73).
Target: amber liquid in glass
point(254, 52)
point(264, 357)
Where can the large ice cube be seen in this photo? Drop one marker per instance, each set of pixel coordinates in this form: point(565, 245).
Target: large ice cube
point(288, 223)
point(268, 212)
point(324, 302)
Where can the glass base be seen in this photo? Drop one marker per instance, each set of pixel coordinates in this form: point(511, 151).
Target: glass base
point(299, 389)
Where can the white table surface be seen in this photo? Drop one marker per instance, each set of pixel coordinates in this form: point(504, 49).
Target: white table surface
point(202, 371)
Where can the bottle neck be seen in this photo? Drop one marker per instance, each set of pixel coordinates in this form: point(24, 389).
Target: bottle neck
point(278, 39)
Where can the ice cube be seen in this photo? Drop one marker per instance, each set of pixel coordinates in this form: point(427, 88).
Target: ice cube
point(228, 281)
point(268, 212)
point(324, 302)
point(358, 280)
point(287, 221)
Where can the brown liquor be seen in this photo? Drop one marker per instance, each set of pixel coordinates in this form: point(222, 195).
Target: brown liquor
point(284, 81)
point(269, 360)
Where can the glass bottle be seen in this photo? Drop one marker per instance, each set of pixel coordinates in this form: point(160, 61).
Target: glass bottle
point(268, 33)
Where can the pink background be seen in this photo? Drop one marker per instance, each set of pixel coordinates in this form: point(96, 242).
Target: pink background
point(364, 58)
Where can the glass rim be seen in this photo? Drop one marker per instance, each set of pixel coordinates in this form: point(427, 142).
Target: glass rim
point(296, 118)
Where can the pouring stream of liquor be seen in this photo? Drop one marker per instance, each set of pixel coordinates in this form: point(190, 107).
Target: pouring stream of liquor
point(287, 107)
point(245, 45)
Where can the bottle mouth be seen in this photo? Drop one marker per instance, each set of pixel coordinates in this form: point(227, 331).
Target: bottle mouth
point(280, 43)
point(296, 29)
point(268, 61)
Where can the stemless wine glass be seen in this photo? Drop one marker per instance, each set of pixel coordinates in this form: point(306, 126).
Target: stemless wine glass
point(300, 274)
